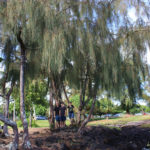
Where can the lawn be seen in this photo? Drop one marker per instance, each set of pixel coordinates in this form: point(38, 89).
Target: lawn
point(111, 121)
point(121, 120)
point(45, 123)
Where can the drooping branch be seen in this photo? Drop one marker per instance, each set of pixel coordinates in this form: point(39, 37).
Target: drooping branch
point(126, 33)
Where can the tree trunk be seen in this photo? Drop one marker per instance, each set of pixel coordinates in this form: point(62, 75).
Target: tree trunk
point(79, 116)
point(65, 94)
point(51, 119)
point(14, 146)
point(14, 112)
point(4, 106)
point(26, 142)
point(83, 85)
point(81, 105)
point(30, 118)
point(34, 113)
point(57, 87)
point(5, 128)
point(89, 116)
point(127, 110)
point(54, 89)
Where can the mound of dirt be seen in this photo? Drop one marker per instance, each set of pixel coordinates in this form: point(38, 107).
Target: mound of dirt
point(92, 138)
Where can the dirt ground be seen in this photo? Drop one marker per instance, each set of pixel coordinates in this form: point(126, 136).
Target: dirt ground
point(92, 138)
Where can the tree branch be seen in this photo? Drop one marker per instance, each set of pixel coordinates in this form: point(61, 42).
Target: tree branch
point(11, 88)
point(65, 93)
point(12, 124)
point(2, 96)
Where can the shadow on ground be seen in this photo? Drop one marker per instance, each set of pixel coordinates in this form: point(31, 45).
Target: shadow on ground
point(92, 138)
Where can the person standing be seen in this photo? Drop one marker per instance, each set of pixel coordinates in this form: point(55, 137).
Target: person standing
point(62, 115)
point(71, 112)
point(56, 114)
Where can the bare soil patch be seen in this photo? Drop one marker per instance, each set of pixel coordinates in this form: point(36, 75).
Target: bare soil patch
point(92, 138)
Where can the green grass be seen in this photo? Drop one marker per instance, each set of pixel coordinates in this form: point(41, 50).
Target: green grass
point(111, 121)
point(122, 120)
point(37, 123)
point(45, 123)
point(42, 123)
point(145, 126)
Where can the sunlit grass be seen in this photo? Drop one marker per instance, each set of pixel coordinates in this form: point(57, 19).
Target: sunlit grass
point(145, 126)
point(42, 123)
point(122, 120)
point(111, 121)
point(38, 123)
point(45, 123)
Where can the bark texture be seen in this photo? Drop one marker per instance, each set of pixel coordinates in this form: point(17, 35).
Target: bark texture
point(5, 129)
point(65, 94)
point(88, 118)
point(26, 141)
point(14, 145)
point(30, 118)
point(51, 119)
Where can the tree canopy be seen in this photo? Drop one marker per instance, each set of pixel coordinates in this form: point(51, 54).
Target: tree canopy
point(92, 45)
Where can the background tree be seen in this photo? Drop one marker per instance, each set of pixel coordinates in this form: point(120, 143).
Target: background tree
point(9, 75)
point(35, 93)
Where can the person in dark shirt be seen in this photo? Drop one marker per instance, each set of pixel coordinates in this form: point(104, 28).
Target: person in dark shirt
point(71, 112)
point(62, 115)
point(56, 114)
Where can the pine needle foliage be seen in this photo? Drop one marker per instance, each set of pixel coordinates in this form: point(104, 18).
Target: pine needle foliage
point(83, 37)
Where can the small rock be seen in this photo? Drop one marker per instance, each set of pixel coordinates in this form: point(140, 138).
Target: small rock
point(93, 147)
point(132, 146)
point(52, 139)
point(54, 147)
point(36, 133)
point(76, 147)
point(64, 147)
point(39, 143)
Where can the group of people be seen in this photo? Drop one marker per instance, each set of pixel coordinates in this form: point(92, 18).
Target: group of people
point(60, 113)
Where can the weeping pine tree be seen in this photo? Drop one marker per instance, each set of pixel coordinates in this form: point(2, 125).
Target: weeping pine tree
point(94, 45)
